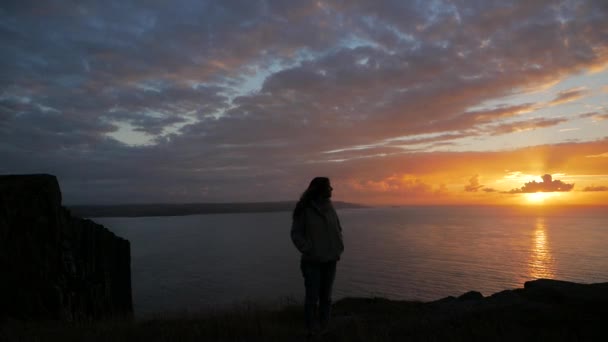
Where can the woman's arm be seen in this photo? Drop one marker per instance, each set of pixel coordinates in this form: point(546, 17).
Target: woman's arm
point(298, 234)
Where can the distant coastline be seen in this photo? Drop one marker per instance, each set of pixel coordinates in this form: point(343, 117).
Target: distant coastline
point(140, 210)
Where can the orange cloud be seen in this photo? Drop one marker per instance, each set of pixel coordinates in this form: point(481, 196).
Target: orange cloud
point(375, 181)
point(595, 116)
point(397, 184)
point(394, 189)
point(595, 188)
point(569, 96)
point(601, 155)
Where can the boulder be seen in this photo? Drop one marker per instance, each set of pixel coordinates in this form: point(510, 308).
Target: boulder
point(471, 295)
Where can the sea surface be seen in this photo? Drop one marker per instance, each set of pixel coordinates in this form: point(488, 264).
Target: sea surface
point(202, 262)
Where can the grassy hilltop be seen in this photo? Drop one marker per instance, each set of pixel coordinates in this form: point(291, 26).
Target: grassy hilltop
point(545, 310)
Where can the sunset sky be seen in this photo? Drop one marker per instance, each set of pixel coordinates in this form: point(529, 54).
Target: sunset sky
point(398, 102)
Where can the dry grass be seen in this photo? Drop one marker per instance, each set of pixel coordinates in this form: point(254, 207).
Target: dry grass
point(372, 319)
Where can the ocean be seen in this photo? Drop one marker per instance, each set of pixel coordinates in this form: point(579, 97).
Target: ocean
point(202, 262)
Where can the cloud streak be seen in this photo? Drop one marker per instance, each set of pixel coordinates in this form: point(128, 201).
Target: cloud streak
point(521, 126)
point(595, 188)
point(569, 95)
point(595, 116)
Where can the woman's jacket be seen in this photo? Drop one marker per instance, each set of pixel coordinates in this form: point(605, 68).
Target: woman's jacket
point(317, 234)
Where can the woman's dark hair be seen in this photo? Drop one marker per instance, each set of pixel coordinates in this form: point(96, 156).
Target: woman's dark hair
point(315, 189)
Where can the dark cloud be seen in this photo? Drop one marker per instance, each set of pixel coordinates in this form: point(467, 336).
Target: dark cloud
point(595, 188)
point(473, 185)
point(547, 185)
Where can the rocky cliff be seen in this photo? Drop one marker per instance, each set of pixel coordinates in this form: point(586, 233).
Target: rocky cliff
point(54, 265)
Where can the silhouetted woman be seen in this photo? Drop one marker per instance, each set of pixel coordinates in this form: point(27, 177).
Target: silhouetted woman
point(317, 234)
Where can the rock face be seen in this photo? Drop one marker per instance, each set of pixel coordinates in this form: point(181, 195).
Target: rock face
point(54, 265)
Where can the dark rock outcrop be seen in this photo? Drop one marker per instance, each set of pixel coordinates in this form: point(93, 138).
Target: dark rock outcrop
point(544, 310)
point(54, 265)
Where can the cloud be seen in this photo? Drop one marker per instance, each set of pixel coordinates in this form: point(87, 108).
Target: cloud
point(245, 97)
point(569, 95)
point(527, 125)
point(601, 155)
point(502, 112)
point(547, 185)
point(392, 189)
point(395, 184)
point(473, 185)
point(595, 188)
point(595, 116)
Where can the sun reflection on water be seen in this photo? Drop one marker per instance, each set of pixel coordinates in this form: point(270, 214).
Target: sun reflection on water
point(541, 259)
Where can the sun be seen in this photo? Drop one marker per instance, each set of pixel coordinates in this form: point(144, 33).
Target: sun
point(540, 197)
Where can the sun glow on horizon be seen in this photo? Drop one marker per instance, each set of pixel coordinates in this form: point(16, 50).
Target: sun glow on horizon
point(540, 197)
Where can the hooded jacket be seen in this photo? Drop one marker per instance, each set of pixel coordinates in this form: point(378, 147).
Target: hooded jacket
point(317, 234)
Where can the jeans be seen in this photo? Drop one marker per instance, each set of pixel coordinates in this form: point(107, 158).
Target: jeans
point(318, 281)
